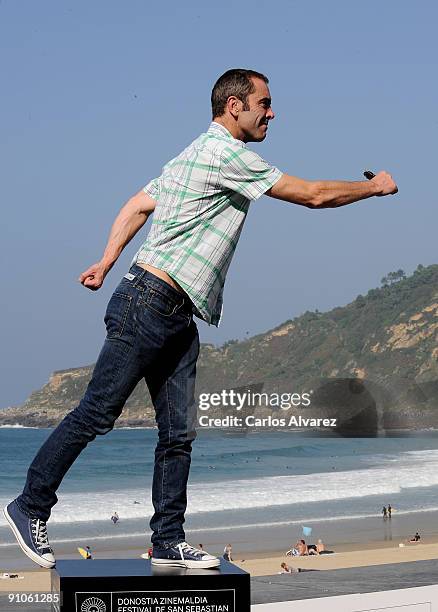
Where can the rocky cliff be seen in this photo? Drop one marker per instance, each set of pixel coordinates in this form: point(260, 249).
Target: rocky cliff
point(384, 343)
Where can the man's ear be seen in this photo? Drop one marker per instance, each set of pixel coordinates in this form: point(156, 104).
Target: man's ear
point(234, 106)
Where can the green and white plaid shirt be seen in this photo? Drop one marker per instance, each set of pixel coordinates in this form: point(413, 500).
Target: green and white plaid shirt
point(203, 196)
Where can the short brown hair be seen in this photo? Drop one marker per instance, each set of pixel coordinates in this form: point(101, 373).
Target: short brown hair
point(236, 82)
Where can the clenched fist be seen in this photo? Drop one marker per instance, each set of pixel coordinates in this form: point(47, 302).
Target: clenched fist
point(94, 276)
point(385, 183)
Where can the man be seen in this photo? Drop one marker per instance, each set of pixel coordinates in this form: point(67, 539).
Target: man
point(200, 201)
point(302, 548)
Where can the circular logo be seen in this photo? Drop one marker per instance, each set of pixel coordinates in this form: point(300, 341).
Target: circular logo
point(93, 604)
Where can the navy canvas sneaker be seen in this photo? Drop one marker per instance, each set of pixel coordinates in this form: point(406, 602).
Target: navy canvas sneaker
point(31, 534)
point(183, 555)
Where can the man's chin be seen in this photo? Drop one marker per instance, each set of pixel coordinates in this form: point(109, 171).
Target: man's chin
point(264, 131)
point(256, 137)
point(259, 137)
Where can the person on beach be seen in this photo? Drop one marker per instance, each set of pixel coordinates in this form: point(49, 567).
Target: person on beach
point(416, 538)
point(302, 549)
point(228, 552)
point(286, 569)
point(384, 512)
point(147, 554)
point(389, 510)
point(85, 552)
point(200, 203)
point(115, 517)
point(321, 549)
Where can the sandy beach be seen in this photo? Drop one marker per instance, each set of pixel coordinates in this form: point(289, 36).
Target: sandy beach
point(380, 547)
point(39, 579)
point(343, 558)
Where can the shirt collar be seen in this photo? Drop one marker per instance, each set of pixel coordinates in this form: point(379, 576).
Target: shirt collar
point(220, 130)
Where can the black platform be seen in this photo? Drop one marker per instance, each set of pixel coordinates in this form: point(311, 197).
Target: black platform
point(134, 585)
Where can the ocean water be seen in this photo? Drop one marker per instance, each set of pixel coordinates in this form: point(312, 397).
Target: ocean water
point(258, 480)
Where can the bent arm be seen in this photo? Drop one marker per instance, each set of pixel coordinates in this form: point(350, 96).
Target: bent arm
point(130, 219)
point(330, 194)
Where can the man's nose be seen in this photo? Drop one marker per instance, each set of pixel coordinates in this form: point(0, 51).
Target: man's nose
point(270, 114)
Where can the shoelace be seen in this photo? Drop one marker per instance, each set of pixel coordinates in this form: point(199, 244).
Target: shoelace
point(39, 529)
point(184, 547)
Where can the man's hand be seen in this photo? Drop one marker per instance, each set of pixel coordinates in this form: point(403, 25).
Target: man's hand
point(94, 276)
point(384, 183)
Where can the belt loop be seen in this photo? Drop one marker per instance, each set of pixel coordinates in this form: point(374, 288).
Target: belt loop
point(139, 278)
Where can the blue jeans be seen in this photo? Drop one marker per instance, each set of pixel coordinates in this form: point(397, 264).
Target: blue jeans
point(150, 334)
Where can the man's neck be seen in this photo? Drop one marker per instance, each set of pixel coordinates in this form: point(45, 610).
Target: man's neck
point(231, 126)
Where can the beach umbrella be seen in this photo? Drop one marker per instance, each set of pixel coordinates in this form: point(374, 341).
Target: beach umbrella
point(307, 531)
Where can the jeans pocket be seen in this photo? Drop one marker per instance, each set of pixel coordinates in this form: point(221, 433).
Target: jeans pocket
point(116, 314)
point(162, 304)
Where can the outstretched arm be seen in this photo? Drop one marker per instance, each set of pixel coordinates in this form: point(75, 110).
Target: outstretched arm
point(130, 219)
point(330, 194)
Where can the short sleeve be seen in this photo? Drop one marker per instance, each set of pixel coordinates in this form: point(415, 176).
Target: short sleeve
point(246, 173)
point(152, 189)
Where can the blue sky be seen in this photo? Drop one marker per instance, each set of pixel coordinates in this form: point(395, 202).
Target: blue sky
point(97, 96)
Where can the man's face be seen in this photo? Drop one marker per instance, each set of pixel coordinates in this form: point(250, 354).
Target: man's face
point(253, 123)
